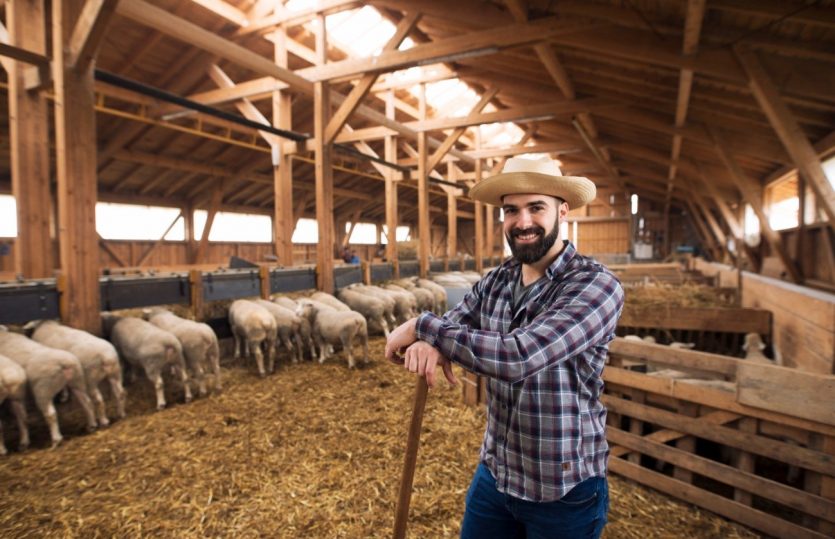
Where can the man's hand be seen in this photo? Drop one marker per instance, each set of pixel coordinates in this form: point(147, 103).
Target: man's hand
point(422, 358)
point(399, 339)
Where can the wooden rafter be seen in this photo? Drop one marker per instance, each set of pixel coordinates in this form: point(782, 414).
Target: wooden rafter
point(453, 137)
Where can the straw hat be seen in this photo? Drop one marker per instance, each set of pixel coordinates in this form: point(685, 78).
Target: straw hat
point(528, 176)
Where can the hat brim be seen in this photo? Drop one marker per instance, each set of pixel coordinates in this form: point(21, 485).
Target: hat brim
point(577, 191)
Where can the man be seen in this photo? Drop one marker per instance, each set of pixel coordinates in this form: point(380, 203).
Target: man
point(538, 327)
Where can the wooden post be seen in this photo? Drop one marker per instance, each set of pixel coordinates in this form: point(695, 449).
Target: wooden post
point(489, 226)
point(478, 209)
point(324, 171)
point(686, 443)
point(214, 205)
point(452, 221)
point(424, 233)
point(283, 222)
point(391, 185)
point(195, 281)
point(264, 276)
point(744, 459)
point(75, 143)
point(29, 145)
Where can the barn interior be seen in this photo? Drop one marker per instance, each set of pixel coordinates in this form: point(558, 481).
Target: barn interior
point(249, 144)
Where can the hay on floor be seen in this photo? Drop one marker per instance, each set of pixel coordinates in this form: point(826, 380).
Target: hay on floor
point(311, 451)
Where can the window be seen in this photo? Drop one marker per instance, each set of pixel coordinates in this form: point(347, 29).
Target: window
point(8, 216)
point(238, 227)
point(634, 200)
point(829, 170)
point(782, 203)
point(404, 233)
point(134, 222)
point(363, 233)
point(307, 231)
point(752, 227)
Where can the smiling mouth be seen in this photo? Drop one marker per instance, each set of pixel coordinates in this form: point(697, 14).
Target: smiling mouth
point(527, 238)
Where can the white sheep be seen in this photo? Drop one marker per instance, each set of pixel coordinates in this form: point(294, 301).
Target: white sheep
point(200, 346)
point(335, 327)
point(98, 359)
point(305, 329)
point(367, 305)
point(13, 388)
point(438, 291)
point(327, 299)
point(255, 326)
point(389, 305)
point(143, 345)
point(48, 371)
point(754, 347)
point(288, 328)
point(405, 303)
point(425, 299)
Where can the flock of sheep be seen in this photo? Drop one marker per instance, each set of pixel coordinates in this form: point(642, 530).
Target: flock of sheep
point(53, 359)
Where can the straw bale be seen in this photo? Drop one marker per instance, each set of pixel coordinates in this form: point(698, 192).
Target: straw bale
point(311, 451)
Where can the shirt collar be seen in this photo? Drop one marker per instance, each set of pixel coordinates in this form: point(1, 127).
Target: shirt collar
point(557, 267)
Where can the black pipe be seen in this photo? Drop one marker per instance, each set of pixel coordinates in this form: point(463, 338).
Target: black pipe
point(162, 95)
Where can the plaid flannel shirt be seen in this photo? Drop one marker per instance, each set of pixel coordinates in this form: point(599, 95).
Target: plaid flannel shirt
point(546, 424)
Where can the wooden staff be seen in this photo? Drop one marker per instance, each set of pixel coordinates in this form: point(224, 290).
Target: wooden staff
point(405, 495)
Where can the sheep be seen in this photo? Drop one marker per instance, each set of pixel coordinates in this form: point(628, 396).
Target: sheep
point(305, 330)
point(199, 342)
point(334, 327)
point(425, 298)
point(255, 326)
point(328, 299)
point(288, 325)
point(754, 347)
point(389, 305)
point(13, 388)
point(406, 303)
point(142, 344)
point(438, 291)
point(370, 307)
point(48, 371)
point(98, 359)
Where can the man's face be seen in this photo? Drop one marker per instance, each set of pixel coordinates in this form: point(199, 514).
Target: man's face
point(532, 224)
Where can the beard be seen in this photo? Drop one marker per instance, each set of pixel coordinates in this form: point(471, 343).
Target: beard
point(530, 253)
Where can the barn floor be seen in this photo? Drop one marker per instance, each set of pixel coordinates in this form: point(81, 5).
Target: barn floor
point(312, 451)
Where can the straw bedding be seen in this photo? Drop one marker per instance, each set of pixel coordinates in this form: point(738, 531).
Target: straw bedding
point(311, 451)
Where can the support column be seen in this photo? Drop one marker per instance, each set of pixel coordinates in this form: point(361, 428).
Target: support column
point(391, 186)
point(75, 142)
point(29, 131)
point(478, 209)
point(283, 222)
point(424, 233)
point(452, 219)
point(324, 171)
point(489, 226)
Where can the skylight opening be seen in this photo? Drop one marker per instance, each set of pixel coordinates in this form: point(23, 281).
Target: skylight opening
point(8, 216)
point(238, 227)
point(135, 222)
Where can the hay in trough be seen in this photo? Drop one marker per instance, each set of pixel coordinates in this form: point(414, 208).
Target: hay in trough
point(678, 295)
point(311, 451)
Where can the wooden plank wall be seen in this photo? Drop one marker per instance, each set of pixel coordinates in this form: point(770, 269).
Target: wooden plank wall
point(804, 318)
point(601, 238)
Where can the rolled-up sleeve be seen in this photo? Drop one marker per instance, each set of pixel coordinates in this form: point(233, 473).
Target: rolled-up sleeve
point(583, 315)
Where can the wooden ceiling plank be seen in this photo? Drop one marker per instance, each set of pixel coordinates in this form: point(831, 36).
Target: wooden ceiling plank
point(294, 18)
point(362, 87)
point(225, 10)
point(788, 130)
point(244, 106)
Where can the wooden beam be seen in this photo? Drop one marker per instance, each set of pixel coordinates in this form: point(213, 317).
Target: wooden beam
point(29, 147)
point(89, 32)
point(225, 10)
point(542, 147)
point(288, 19)
point(391, 187)
point(788, 130)
point(424, 230)
point(323, 171)
point(75, 136)
point(116, 258)
point(452, 218)
point(144, 13)
point(362, 87)
point(478, 210)
point(157, 243)
point(453, 137)
point(752, 193)
point(283, 218)
point(214, 206)
point(469, 45)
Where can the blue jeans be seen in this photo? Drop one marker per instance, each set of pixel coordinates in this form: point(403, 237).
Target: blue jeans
point(490, 514)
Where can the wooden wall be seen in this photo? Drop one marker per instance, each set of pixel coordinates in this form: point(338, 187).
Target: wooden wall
point(804, 318)
point(605, 237)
